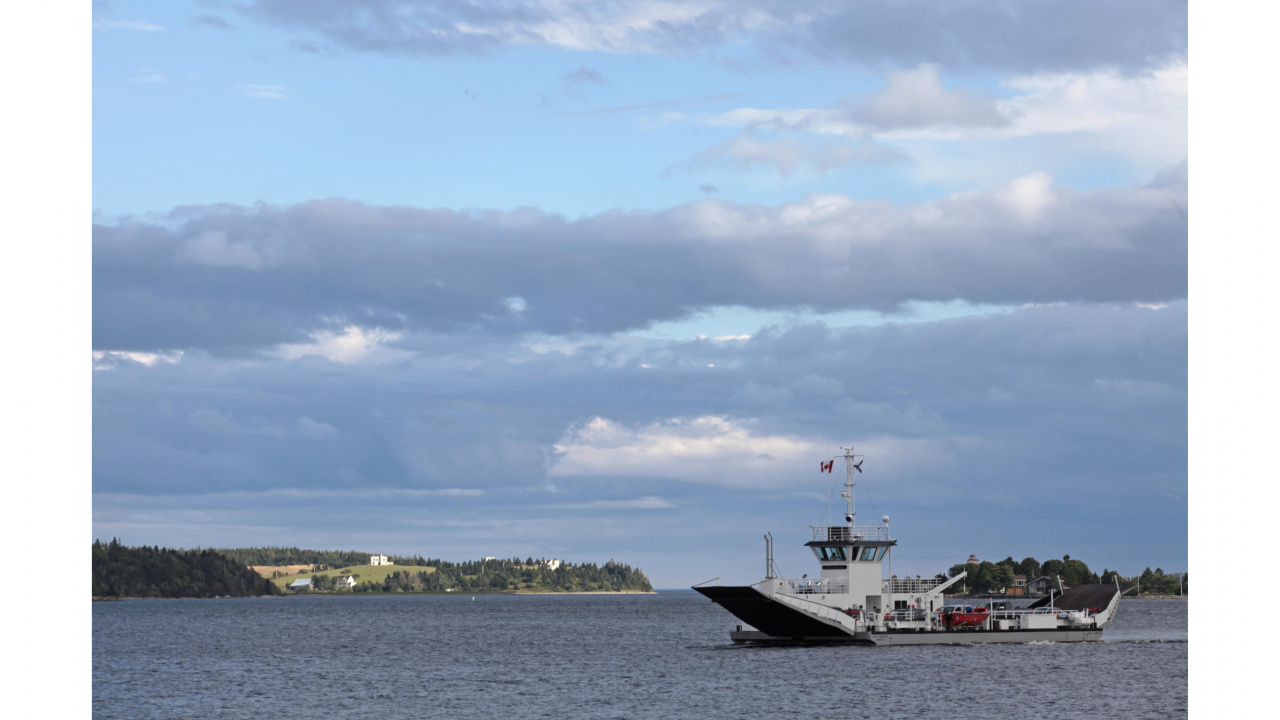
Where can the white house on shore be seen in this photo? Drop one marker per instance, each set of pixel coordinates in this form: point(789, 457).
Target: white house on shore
point(346, 581)
point(551, 564)
point(379, 560)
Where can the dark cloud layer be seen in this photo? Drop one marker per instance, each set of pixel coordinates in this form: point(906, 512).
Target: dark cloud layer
point(975, 35)
point(1049, 378)
point(231, 279)
point(1036, 429)
point(994, 35)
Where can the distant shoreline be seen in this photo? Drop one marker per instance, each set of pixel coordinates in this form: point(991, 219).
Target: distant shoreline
point(215, 597)
point(576, 592)
point(380, 594)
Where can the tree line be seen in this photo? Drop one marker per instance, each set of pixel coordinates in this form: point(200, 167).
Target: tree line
point(502, 576)
point(155, 572)
point(1158, 583)
point(319, 559)
point(989, 577)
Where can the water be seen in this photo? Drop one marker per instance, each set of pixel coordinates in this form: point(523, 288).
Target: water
point(574, 656)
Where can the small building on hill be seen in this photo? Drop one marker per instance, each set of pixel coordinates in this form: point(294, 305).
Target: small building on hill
point(1019, 586)
point(346, 582)
point(379, 560)
point(1042, 585)
point(551, 564)
point(300, 584)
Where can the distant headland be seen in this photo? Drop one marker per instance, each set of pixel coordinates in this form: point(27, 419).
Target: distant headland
point(123, 572)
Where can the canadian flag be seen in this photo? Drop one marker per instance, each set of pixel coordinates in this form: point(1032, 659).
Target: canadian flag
point(826, 466)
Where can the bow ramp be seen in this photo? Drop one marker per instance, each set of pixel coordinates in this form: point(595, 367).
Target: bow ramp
point(780, 617)
point(1101, 601)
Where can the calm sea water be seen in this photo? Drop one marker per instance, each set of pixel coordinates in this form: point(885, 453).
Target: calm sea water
point(653, 656)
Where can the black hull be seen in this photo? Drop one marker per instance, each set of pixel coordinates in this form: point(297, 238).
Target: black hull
point(771, 618)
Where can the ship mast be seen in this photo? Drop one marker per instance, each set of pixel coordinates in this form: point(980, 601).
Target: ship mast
point(847, 492)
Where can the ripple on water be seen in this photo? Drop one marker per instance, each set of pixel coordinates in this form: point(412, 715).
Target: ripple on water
point(650, 656)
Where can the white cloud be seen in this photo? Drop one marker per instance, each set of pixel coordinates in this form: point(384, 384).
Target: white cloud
point(296, 493)
point(619, 27)
point(1027, 197)
point(141, 25)
point(979, 35)
point(710, 449)
point(1068, 102)
point(645, 503)
point(315, 429)
point(149, 76)
point(1135, 388)
point(721, 451)
point(916, 98)
point(348, 265)
point(552, 344)
point(354, 345)
point(267, 92)
point(788, 156)
point(447, 492)
point(110, 359)
point(1143, 114)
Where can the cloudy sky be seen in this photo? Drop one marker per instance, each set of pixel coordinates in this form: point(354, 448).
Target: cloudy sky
point(606, 280)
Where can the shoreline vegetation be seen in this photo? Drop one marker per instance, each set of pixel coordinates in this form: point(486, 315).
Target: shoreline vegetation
point(986, 579)
point(121, 572)
point(347, 594)
point(154, 572)
point(489, 575)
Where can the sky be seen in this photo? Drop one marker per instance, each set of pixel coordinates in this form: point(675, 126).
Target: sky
point(609, 280)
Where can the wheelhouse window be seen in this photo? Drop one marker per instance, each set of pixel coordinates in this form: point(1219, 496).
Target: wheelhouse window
point(880, 555)
point(868, 553)
point(829, 553)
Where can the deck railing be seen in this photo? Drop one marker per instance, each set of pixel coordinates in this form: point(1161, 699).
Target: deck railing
point(849, 534)
point(912, 614)
point(816, 586)
point(826, 611)
point(910, 585)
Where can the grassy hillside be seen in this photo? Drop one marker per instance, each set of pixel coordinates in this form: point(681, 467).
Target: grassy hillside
point(487, 576)
point(367, 573)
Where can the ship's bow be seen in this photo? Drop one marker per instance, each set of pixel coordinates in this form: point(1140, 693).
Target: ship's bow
point(771, 620)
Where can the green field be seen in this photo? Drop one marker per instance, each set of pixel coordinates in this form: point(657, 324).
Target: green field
point(373, 573)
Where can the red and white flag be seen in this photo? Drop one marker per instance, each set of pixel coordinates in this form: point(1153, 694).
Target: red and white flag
point(826, 466)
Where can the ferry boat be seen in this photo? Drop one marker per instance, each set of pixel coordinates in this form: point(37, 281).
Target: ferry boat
point(853, 602)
